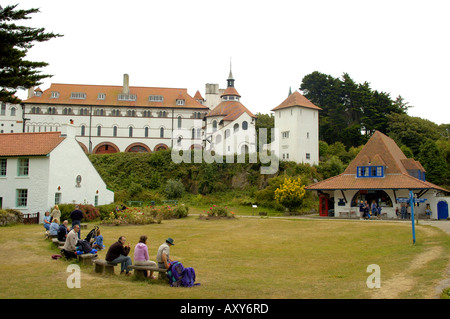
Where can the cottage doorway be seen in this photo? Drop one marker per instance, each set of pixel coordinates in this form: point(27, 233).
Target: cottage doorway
point(442, 208)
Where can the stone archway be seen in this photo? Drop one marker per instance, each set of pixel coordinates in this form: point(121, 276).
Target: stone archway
point(106, 148)
point(138, 148)
point(160, 147)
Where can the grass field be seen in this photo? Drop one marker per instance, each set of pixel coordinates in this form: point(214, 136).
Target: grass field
point(243, 258)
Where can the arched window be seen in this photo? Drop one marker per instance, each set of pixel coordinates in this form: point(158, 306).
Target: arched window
point(83, 130)
point(244, 125)
point(114, 131)
point(218, 139)
point(146, 131)
point(236, 128)
point(179, 121)
point(161, 132)
point(227, 133)
point(13, 111)
point(214, 125)
point(99, 130)
point(130, 131)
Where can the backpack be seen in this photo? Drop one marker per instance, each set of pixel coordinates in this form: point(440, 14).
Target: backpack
point(84, 246)
point(180, 276)
point(175, 273)
point(188, 279)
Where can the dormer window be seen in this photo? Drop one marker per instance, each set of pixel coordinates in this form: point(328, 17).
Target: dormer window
point(101, 96)
point(54, 95)
point(78, 96)
point(370, 171)
point(155, 98)
point(180, 102)
point(126, 97)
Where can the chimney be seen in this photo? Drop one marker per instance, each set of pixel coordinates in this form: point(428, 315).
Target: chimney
point(126, 84)
point(68, 130)
point(30, 92)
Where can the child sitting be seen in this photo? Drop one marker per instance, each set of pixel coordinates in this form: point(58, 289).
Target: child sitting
point(98, 241)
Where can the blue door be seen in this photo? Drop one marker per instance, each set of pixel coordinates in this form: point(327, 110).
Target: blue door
point(442, 208)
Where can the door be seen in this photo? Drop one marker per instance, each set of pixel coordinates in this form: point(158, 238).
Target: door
point(442, 208)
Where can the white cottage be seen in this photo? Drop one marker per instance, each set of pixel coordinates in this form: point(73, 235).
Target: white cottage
point(39, 170)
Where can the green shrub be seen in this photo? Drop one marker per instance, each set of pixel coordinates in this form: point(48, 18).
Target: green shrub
point(174, 189)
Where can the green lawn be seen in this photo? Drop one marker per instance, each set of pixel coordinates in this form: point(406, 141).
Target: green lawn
point(240, 258)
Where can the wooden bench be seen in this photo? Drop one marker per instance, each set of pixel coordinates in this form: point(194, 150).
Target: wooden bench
point(83, 226)
point(102, 266)
point(87, 259)
point(140, 271)
point(59, 244)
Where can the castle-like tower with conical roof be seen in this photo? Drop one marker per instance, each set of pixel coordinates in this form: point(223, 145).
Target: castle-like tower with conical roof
point(230, 126)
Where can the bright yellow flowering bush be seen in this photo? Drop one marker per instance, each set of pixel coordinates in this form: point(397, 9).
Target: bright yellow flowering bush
point(290, 193)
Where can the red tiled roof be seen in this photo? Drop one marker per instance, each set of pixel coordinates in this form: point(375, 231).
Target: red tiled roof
point(230, 91)
point(29, 144)
point(379, 150)
point(111, 96)
point(231, 110)
point(198, 96)
point(296, 99)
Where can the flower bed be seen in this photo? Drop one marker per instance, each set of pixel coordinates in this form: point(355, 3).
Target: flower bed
point(217, 212)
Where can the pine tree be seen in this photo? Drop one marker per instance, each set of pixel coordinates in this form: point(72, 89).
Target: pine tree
point(15, 41)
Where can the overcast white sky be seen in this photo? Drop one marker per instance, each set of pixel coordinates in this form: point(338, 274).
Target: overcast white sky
point(399, 47)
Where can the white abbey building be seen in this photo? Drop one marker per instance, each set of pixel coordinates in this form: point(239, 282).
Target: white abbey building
point(109, 119)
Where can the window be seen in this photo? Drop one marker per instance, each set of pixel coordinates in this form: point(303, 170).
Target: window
point(101, 96)
point(3, 162)
point(370, 171)
point(21, 197)
point(83, 130)
point(13, 111)
point(99, 130)
point(23, 167)
point(146, 114)
point(308, 156)
point(3, 109)
point(161, 132)
point(96, 200)
point(236, 128)
point(179, 121)
point(114, 131)
point(285, 134)
point(130, 131)
point(78, 96)
point(214, 125)
point(227, 133)
point(126, 97)
point(245, 125)
point(155, 98)
point(146, 131)
point(180, 102)
point(54, 95)
point(57, 198)
point(115, 112)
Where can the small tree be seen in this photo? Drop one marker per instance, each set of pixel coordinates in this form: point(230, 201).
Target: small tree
point(174, 189)
point(290, 193)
